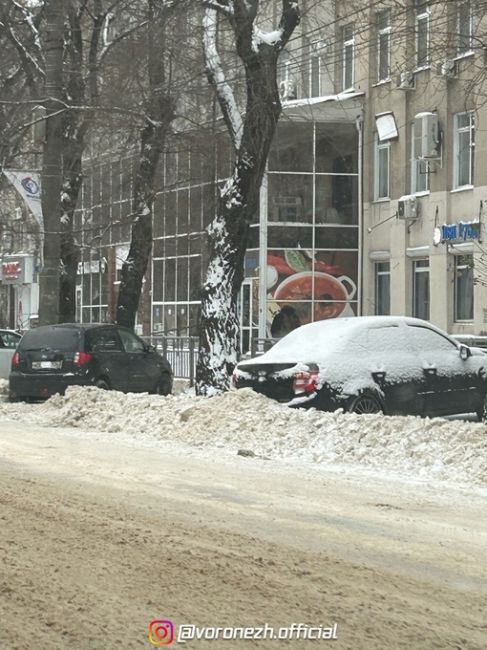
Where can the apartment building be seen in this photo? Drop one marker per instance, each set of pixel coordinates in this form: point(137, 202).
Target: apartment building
point(372, 202)
point(425, 178)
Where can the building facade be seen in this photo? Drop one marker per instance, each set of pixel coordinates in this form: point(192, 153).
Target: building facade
point(373, 198)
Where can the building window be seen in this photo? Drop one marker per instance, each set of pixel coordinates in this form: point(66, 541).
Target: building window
point(464, 27)
point(420, 178)
point(348, 41)
point(382, 288)
point(463, 287)
point(315, 61)
point(422, 13)
point(381, 176)
point(463, 149)
point(383, 44)
point(421, 289)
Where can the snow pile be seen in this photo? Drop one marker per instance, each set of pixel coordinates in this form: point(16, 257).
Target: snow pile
point(3, 388)
point(420, 448)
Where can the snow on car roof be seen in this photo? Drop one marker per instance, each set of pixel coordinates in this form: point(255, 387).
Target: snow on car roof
point(335, 333)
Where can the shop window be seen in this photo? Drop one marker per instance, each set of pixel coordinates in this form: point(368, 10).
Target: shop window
point(464, 281)
point(421, 289)
point(463, 149)
point(382, 288)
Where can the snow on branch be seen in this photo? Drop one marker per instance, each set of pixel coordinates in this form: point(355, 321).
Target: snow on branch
point(290, 18)
point(223, 6)
point(224, 93)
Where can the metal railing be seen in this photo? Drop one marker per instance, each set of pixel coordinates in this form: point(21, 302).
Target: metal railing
point(180, 351)
point(259, 346)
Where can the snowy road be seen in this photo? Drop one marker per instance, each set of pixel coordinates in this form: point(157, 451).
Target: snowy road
point(99, 536)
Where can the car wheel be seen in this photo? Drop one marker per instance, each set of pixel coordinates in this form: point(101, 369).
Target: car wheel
point(482, 412)
point(164, 387)
point(365, 403)
point(102, 383)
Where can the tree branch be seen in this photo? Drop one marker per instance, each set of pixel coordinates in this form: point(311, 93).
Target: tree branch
point(216, 77)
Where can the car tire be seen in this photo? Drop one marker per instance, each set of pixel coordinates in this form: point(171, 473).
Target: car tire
point(365, 403)
point(164, 387)
point(482, 412)
point(102, 383)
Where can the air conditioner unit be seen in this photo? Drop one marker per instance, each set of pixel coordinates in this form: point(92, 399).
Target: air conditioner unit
point(288, 89)
point(447, 69)
point(426, 136)
point(407, 207)
point(405, 81)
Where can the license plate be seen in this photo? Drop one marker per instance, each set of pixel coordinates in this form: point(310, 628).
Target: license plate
point(46, 365)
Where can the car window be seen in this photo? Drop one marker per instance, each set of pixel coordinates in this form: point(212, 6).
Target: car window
point(131, 343)
point(102, 340)
point(9, 340)
point(390, 338)
point(62, 339)
point(426, 340)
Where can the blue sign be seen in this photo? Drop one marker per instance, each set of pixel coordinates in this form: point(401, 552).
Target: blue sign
point(459, 232)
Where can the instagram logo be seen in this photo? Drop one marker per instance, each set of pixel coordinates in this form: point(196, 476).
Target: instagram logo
point(161, 632)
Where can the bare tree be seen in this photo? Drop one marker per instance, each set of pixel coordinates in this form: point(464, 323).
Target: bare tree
point(251, 135)
point(159, 109)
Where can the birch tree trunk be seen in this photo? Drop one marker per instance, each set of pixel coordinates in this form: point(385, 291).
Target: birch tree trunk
point(238, 201)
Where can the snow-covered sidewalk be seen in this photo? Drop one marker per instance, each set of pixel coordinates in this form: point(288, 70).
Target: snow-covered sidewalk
point(434, 449)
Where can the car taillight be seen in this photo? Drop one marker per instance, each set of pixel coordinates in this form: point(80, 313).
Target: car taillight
point(82, 358)
point(15, 360)
point(305, 381)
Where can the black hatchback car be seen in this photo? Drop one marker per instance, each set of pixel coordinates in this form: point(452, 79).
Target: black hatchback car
point(51, 358)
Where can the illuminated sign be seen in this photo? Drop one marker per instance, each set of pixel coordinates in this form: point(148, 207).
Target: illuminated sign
point(11, 270)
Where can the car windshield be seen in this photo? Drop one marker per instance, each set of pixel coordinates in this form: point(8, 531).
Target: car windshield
point(64, 339)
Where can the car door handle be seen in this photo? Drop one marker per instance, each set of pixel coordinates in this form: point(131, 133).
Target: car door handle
point(429, 371)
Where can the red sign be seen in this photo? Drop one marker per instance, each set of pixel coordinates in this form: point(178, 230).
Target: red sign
point(11, 270)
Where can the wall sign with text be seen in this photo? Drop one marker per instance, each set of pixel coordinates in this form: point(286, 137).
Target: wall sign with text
point(457, 233)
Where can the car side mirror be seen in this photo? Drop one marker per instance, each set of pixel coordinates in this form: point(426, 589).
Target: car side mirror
point(150, 348)
point(465, 352)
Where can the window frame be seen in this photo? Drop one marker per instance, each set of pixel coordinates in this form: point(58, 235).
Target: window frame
point(380, 146)
point(422, 14)
point(461, 49)
point(461, 266)
point(415, 168)
point(379, 274)
point(470, 128)
point(348, 57)
point(316, 47)
point(384, 31)
point(419, 267)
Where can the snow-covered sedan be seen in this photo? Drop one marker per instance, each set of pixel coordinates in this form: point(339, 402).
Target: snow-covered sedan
point(371, 364)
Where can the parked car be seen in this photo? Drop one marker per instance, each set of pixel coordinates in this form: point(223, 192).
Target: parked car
point(53, 357)
point(371, 364)
point(8, 342)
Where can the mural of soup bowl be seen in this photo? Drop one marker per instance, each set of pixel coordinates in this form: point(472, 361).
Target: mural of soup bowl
point(331, 294)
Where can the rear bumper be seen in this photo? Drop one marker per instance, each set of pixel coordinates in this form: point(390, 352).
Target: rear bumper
point(42, 386)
